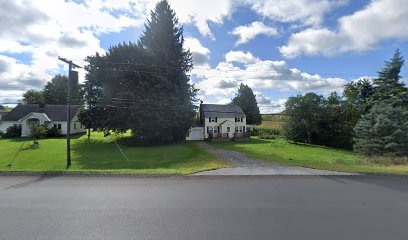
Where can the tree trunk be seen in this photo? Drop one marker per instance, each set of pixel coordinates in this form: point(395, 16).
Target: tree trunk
point(89, 135)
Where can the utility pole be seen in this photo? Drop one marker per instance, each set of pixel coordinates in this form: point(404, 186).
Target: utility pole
point(71, 66)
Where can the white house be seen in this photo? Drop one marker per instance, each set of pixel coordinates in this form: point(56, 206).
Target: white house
point(221, 121)
point(49, 115)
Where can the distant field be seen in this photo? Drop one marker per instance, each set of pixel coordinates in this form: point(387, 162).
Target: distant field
point(272, 121)
point(102, 155)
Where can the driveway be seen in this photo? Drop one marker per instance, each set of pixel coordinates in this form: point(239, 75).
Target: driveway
point(242, 165)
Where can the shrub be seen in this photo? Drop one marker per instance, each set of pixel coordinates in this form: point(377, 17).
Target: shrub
point(12, 132)
point(265, 135)
point(270, 131)
point(53, 133)
point(37, 131)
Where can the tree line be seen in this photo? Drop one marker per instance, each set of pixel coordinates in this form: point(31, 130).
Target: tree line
point(371, 116)
point(55, 92)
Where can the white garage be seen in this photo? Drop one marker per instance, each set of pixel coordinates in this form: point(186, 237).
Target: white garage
point(196, 133)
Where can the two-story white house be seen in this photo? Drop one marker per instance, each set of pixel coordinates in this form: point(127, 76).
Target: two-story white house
point(49, 115)
point(219, 120)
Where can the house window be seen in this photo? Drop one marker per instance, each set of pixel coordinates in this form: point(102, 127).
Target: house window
point(57, 126)
point(228, 129)
point(74, 125)
point(238, 119)
point(212, 129)
point(212, 119)
point(239, 129)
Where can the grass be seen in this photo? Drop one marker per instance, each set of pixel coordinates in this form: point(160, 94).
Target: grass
point(102, 155)
point(285, 153)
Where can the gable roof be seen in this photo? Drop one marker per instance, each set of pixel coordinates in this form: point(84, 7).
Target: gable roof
point(220, 110)
point(53, 112)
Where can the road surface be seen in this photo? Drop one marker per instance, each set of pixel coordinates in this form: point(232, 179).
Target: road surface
point(204, 207)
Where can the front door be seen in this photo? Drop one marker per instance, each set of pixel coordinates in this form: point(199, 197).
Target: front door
point(228, 131)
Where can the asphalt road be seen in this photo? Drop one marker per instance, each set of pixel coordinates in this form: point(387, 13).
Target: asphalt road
point(266, 207)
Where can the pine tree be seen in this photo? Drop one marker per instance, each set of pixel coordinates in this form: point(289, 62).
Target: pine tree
point(246, 100)
point(388, 85)
point(384, 130)
point(170, 94)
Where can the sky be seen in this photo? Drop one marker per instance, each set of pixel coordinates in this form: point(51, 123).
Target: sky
point(280, 48)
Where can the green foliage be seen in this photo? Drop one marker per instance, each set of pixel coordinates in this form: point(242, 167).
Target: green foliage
point(388, 85)
point(55, 91)
point(315, 120)
point(150, 95)
point(12, 132)
point(384, 130)
point(37, 132)
point(2, 107)
point(358, 94)
point(53, 132)
point(33, 97)
point(246, 100)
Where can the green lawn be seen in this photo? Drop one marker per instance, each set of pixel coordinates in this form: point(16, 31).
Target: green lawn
point(282, 152)
point(102, 155)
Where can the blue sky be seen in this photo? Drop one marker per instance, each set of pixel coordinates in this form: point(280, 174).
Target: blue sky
point(279, 48)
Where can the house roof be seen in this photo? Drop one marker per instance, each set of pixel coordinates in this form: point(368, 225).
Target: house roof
point(53, 112)
point(219, 110)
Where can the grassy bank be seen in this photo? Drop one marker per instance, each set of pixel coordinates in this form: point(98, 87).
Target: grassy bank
point(102, 155)
point(282, 152)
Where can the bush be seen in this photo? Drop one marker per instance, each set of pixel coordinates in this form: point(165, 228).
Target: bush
point(37, 131)
point(270, 131)
point(265, 135)
point(53, 133)
point(12, 132)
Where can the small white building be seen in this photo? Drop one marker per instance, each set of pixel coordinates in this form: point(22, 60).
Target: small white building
point(48, 115)
point(223, 121)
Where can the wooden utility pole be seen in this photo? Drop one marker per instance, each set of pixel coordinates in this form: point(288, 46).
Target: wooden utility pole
point(71, 66)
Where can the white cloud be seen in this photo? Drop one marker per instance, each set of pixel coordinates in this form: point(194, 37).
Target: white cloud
point(202, 13)
point(302, 12)
point(267, 105)
point(260, 75)
point(200, 54)
point(249, 32)
point(240, 57)
point(363, 30)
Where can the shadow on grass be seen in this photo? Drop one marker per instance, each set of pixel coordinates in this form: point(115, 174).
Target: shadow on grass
point(101, 154)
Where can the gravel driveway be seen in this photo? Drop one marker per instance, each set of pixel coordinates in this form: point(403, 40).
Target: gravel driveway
point(242, 165)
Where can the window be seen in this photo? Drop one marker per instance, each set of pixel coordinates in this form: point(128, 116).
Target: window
point(239, 129)
point(212, 119)
point(228, 129)
point(238, 119)
point(212, 129)
point(57, 126)
point(74, 125)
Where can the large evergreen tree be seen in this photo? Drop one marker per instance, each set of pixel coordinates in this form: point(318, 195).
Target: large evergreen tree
point(388, 84)
point(384, 129)
point(144, 86)
point(246, 100)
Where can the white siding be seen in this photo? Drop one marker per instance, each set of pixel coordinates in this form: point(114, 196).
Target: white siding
point(6, 124)
point(223, 129)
